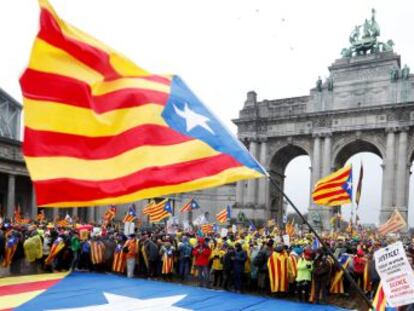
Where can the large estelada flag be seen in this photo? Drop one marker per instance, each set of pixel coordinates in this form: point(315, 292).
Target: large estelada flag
point(334, 189)
point(100, 130)
point(93, 291)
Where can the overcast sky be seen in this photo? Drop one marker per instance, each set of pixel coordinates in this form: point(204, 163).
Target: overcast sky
point(224, 48)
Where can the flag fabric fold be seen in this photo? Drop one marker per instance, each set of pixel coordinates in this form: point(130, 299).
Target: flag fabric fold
point(334, 189)
point(110, 132)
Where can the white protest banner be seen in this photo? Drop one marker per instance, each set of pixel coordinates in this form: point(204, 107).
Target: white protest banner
point(223, 232)
point(286, 239)
point(129, 228)
point(172, 225)
point(234, 228)
point(396, 274)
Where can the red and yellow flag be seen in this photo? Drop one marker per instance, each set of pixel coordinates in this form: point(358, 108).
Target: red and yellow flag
point(277, 266)
point(100, 130)
point(335, 189)
point(17, 290)
point(395, 223)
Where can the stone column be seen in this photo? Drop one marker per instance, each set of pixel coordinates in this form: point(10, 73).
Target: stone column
point(252, 183)
point(401, 174)
point(11, 192)
point(326, 213)
point(33, 205)
point(327, 149)
point(316, 159)
point(388, 177)
point(75, 213)
point(262, 189)
point(90, 214)
point(315, 172)
point(55, 213)
point(240, 193)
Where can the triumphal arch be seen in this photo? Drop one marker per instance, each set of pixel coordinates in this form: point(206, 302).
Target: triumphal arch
point(365, 105)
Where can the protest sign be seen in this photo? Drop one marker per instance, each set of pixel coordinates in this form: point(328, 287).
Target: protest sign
point(224, 232)
point(396, 274)
point(286, 239)
point(129, 228)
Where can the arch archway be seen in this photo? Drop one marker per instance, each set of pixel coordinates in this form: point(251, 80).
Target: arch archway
point(370, 155)
point(278, 165)
point(346, 150)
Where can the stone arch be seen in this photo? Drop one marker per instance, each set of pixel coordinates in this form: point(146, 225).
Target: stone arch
point(284, 154)
point(348, 148)
point(277, 167)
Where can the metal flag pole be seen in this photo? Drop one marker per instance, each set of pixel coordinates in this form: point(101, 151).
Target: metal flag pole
point(348, 277)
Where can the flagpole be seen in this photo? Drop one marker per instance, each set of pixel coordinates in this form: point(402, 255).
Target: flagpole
point(347, 275)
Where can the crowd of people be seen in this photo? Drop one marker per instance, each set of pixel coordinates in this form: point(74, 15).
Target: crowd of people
point(243, 260)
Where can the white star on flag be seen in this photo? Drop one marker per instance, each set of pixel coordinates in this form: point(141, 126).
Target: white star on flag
point(349, 185)
point(124, 303)
point(193, 119)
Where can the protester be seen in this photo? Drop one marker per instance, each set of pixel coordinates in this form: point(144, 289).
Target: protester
point(202, 254)
point(240, 260)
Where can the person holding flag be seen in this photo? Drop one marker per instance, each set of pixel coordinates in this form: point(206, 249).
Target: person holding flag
point(56, 248)
point(130, 249)
point(10, 248)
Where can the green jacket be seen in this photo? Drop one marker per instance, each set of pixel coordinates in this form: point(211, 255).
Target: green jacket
point(305, 268)
point(75, 244)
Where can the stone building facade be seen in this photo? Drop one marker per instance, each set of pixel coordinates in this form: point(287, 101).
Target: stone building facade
point(15, 185)
point(366, 105)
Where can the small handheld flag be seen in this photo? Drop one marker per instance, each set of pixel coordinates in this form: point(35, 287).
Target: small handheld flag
point(131, 214)
point(189, 206)
point(335, 189)
point(224, 215)
point(160, 211)
point(109, 214)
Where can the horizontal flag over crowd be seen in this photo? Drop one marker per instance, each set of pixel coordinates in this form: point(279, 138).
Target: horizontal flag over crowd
point(100, 130)
point(334, 189)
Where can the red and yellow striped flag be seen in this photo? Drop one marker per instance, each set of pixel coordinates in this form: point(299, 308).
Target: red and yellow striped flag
point(17, 290)
point(335, 189)
point(57, 246)
point(380, 301)
point(395, 223)
point(160, 211)
point(100, 130)
point(224, 215)
point(109, 214)
point(207, 228)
